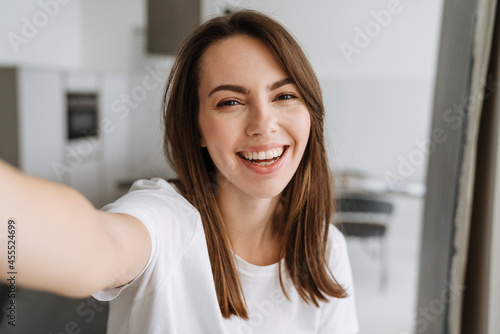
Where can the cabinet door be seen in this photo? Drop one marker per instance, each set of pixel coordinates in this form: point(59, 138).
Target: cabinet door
point(114, 129)
point(41, 123)
point(146, 131)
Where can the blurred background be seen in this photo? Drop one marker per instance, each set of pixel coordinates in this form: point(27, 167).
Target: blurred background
point(81, 83)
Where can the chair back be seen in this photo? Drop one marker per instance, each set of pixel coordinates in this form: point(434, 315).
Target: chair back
point(362, 216)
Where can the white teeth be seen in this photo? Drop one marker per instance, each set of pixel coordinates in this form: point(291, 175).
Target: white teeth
point(264, 163)
point(274, 153)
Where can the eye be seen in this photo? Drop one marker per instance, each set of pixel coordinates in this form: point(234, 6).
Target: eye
point(227, 103)
point(286, 96)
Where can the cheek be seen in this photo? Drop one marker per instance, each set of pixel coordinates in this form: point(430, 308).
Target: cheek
point(206, 127)
point(214, 134)
point(301, 127)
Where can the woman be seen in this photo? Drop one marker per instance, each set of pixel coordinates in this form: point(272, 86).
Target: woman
point(240, 243)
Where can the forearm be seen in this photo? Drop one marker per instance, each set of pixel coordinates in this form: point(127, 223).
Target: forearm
point(56, 232)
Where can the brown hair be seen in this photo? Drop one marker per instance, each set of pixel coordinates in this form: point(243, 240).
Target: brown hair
point(302, 225)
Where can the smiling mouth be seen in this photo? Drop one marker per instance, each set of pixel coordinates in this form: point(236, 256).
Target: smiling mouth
point(264, 158)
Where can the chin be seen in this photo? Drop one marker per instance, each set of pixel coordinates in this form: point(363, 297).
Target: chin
point(267, 190)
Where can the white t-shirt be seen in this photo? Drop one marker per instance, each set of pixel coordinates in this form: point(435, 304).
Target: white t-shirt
point(175, 292)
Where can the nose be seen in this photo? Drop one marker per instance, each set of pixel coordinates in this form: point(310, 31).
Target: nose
point(262, 120)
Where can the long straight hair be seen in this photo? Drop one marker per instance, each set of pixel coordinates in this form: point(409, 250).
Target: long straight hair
point(307, 201)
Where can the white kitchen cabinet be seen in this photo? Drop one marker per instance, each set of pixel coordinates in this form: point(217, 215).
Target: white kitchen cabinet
point(40, 121)
point(34, 129)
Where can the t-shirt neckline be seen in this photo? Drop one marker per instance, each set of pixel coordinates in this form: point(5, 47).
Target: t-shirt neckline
point(251, 270)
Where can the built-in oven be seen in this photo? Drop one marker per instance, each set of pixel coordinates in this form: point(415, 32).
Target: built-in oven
point(82, 114)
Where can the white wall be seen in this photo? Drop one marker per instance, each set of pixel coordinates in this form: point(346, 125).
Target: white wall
point(70, 33)
point(109, 31)
point(405, 47)
point(378, 125)
point(101, 34)
point(43, 32)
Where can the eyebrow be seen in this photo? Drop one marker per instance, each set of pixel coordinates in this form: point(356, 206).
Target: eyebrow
point(243, 90)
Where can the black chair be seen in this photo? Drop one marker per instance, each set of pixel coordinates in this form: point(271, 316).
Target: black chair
point(366, 217)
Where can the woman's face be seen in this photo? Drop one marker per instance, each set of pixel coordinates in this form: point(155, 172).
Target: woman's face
point(253, 121)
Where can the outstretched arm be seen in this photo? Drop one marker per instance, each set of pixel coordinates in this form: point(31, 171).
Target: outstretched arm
point(63, 244)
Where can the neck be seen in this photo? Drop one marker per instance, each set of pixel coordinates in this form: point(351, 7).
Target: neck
point(248, 222)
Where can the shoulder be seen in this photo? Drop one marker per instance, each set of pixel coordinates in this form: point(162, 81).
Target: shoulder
point(153, 195)
point(158, 205)
point(339, 314)
point(173, 225)
point(337, 258)
point(336, 247)
point(154, 192)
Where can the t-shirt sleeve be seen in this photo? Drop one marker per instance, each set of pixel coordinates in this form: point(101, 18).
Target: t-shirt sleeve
point(339, 315)
point(158, 206)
